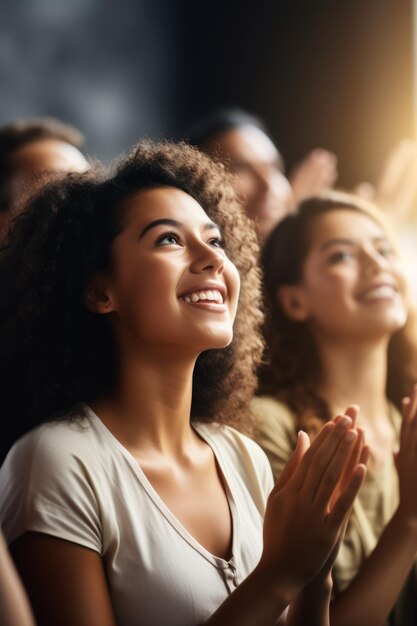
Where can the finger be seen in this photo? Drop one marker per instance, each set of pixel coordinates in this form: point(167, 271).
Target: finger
point(320, 458)
point(303, 443)
point(357, 449)
point(354, 457)
point(344, 503)
point(352, 412)
point(359, 454)
point(364, 458)
point(303, 468)
point(335, 471)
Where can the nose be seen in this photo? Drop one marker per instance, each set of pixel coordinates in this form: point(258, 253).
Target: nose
point(271, 181)
point(263, 177)
point(208, 259)
point(374, 262)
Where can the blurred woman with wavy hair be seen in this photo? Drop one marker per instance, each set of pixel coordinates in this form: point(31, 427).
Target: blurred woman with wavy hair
point(338, 326)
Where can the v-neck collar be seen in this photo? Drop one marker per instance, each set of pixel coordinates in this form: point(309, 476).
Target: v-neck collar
point(202, 431)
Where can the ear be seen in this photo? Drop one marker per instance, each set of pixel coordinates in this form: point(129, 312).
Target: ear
point(97, 297)
point(292, 302)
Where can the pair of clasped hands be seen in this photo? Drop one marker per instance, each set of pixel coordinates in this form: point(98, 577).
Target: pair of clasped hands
point(309, 507)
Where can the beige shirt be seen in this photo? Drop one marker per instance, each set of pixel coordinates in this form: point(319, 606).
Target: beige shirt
point(75, 481)
point(373, 508)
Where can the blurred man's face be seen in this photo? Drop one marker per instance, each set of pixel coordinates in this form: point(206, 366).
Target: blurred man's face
point(42, 157)
point(35, 160)
point(260, 182)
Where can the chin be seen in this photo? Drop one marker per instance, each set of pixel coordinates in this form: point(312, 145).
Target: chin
point(398, 318)
point(390, 324)
point(218, 341)
point(398, 324)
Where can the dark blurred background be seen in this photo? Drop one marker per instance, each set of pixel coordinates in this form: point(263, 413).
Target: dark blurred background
point(324, 73)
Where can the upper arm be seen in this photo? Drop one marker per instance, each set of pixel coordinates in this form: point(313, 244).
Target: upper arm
point(14, 606)
point(66, 582)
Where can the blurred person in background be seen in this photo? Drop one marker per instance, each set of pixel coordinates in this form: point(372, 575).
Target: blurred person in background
point(241, 142)
point(338, 327)
point(29, 151)
point(395, 192)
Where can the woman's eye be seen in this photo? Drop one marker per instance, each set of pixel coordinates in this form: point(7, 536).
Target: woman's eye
point(340, 255)
point(217, 242)
point(386, 251)
point(168, 239)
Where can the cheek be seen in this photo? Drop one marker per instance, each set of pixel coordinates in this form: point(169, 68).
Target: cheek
point(330, 295)
point(232, 280)
point(330, 281)
point(283, 190)
point(245, 185)
point(140, 292)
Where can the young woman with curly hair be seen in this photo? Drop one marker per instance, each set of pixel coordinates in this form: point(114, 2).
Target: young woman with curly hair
point(137, 502)
point(337, 328)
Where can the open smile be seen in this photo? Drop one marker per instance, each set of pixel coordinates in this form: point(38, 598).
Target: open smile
point(382, 291)
point(209, 295)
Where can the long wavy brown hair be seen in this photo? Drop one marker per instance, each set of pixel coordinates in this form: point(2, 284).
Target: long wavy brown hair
point(54, 354)
point(291, 369)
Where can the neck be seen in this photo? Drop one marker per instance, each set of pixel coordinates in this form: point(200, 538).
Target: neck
point(355, 373)
point(150, 406)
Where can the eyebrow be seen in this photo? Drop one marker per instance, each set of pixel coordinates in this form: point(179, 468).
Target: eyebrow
point(175, 223)
point(348, 242)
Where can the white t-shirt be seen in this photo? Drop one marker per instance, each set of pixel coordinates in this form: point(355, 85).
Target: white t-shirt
point(75, 481)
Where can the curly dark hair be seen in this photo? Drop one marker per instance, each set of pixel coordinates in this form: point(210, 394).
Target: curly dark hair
point(292, 370)
point(21, 132)
point(54, 353)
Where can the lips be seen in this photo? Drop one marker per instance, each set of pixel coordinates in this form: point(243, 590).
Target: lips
point(214, 294)
point(209, 295)
point(380, 291)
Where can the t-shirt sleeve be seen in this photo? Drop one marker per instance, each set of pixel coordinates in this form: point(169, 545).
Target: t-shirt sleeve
point(46, 486)
point(275, 432)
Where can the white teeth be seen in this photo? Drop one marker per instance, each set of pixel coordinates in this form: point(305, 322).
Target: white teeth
point(384, 291)
point(211, 295)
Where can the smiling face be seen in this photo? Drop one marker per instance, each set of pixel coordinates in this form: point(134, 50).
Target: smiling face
point(353, 282)
point(260, 181)
point(172, 285)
